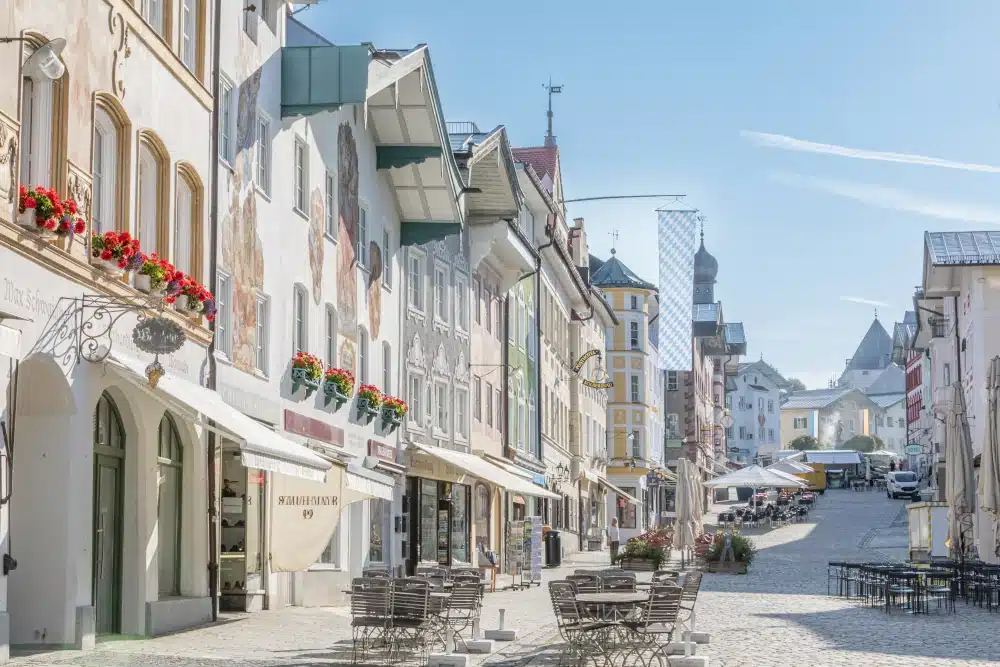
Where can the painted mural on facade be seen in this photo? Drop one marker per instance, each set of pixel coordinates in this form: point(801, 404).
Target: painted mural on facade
point(242, 250)
point(316, 244)
point(347, 201)
point(375, 270)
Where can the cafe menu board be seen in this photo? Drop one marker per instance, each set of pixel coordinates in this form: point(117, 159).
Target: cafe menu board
point(442, 537)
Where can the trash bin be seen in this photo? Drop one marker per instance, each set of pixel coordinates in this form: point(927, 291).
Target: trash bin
point(553, 548)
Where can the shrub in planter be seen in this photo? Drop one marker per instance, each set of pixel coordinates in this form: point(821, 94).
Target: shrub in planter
point(338, 383)
point(743, 548)
point(369, 400)
point(393, 411)
point(39, 208)
point(651, 545)
point(307, 369)
point(154, 274)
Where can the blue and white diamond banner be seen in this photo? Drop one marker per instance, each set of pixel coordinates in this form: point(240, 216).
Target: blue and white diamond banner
point(677, 240)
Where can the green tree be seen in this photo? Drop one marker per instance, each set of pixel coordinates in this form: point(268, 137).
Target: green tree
point(863, 443)
point(804, 443)
point(795, 384)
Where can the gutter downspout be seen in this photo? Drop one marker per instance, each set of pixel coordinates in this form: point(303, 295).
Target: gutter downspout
point(213, 262)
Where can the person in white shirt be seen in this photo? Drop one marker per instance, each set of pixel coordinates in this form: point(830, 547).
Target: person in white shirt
point(613, 538)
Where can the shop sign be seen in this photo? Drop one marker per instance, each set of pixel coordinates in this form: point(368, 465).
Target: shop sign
point(382, 451)
point(256, 478)
point(914, 450)
point(734, 450)
point(431, 468)
point(158, 335)
point(313, 428)
point(599, 377)
point(252, 405)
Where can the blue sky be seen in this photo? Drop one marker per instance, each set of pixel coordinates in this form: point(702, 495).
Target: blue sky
point(664, 97)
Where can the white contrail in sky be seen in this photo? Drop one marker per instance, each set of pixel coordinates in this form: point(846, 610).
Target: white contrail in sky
point(780, 141)
point(867, 302)
point(892, 198)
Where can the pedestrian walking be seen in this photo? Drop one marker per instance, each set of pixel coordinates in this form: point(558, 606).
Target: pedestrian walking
point(613, 538)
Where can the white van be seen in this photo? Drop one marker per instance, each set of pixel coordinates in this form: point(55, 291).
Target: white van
point(902, 484)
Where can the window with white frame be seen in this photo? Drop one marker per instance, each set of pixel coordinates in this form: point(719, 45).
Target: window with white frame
point(301, 175)
point(386, 368)
point(770, 435)
point(522, 325)
point(263, 332)
point(800, 422)
point(477, 398)
point(532, 431)
point(264, 154)
point(330, 224)
point(530, 335)
point(441, 401)
point(152, 12)
point(415, 279)
point(226, 136)
point(770, 406)
point(522, 422)
point(489, 404)
point(634, 393)
point(386, 260)
point(224, 314)
point(415, 397)
point(105, 167)
point(672, 381)
point(330, 336)
point(441, 293)
point(633, 336)
point(189, 33)
point(250, 21)
point(633, 302)
point(462, 413)
point(461, 303)
point(362, 249)
point(636, 444)
point(488, 308)
point(477, 296)
point(300, 311)
point(147, 203)
point(184, 213)
point(362, 356)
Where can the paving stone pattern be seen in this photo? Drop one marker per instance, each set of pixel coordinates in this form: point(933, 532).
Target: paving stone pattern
point(778, 615)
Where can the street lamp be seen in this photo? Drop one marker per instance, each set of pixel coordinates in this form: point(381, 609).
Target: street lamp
point(45, 60)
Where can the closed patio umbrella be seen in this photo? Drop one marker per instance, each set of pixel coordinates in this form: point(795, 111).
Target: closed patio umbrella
point(989, 470)
point(959, 477)
point(683, 525)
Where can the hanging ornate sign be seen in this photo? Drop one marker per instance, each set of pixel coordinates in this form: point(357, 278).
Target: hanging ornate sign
point(158, 335)
point(599, 378)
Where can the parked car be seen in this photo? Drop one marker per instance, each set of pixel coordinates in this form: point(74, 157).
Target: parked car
point(902, 484)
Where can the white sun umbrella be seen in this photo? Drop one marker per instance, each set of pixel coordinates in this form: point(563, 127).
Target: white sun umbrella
point(959, 477)
point(757, 478)
point(790, 467)
point(881, 454)
point(989, 470)
point(683, 524)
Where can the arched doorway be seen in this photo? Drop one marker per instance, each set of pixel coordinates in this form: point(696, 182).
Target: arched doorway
point(170, 457)
point(109, 470)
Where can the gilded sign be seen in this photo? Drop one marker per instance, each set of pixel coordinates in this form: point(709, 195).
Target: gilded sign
point(599, 378)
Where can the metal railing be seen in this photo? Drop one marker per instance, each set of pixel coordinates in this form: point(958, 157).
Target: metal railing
point(939, 327)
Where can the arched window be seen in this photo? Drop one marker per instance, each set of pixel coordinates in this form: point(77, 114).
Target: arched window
point(108, 431)
point(170, 455)
point(362, 356)
point(42, 128)
point(110, 165)
point(152, 185)
point(386, 368)
point(187, 233)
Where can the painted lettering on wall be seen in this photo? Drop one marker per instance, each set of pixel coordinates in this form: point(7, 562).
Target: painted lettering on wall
point(308, 501)
point(29, 299)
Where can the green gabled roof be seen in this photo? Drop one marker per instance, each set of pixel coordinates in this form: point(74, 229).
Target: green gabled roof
point(613, 273)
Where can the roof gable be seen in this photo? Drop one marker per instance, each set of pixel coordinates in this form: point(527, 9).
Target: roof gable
point(874, 352)
point(890, 381)
point(614, 273)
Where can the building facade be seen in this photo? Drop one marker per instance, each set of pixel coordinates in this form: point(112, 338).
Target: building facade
point(755, 406)
point(832, 416)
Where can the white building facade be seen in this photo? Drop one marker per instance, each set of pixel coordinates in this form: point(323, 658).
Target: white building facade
point(756, 411)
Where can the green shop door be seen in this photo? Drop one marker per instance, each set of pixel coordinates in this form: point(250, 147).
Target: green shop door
point(109, 460)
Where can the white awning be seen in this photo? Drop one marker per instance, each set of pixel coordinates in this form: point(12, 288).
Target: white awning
point(833, 457)
point(483, 469)
point(510, 467)
point(369, 482)
point(260, 447)
point(619, 492)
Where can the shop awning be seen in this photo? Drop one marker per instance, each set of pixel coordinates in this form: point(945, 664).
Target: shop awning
point(260, 447)
point(305, 513)
point(619, 492)
point(483, 469)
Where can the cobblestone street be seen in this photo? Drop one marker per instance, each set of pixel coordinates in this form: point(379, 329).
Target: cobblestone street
point(777, 615)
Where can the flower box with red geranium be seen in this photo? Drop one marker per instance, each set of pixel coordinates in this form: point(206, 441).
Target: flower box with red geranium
point(393, 412)
point(153, 275)
point(307, 370)
point(338, 383)
point(369, 400)
point(36, 207)
point(115, 252)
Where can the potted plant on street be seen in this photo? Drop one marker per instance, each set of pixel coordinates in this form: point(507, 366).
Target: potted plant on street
point(646, 552)
point(369, 400)
point(338, 383)
point(393, 412)
point(731, 553)
point(307, 371)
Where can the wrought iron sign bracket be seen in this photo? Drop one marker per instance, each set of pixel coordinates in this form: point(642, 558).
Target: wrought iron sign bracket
point(98, 316)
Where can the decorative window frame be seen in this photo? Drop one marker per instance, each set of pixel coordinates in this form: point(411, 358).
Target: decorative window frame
point(147, 138)
point(417, 313)
point(438, 383)
point(460, 281)
point(440, 325)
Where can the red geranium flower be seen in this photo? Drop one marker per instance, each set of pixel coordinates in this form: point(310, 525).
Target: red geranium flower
point(106, 255)
point(122, 263)
point(80, 227)
point(51, 224)
point(29, 202)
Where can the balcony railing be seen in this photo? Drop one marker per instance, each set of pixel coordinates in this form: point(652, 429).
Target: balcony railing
point(939, 327)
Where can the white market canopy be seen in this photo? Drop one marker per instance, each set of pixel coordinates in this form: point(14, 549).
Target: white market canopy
point(882, 454)
point(844, 457)
point(789, 467)
point(755, 477)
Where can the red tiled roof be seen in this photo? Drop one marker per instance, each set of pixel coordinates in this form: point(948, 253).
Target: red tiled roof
point(543, 159)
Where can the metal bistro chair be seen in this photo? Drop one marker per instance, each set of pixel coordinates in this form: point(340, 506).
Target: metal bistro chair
point(618, 583)
point(653, 628)
point(376, 573)
point(411, 618)
point(370, 615)
point(580, 632)
point(465, 604)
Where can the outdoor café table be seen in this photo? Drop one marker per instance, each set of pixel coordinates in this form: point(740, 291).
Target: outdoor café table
point(616, 603)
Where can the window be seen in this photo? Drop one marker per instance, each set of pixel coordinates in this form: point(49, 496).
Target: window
point(760, 433)
point(478, 296)
point(743, 433)
point(386, 260)
point(263, 329)
point(633, 335)
point(626, 510)
point(415, 281)
point(189, 35)
point(481, 517)
point(226, 121)
point(250, 21)
point(770, 435)
point(224, 315)
point(633, 302)
point(760, 405)
point(489, 404)
point(634, 389)
point(636, 445)
point(386, 368)
point(461, 303)
point(499, 304)
point(462, 413)
point(330, 338)
point(800, 422)
point(105, 168)
point(498, 403)
point(362, 356)
point(185, 212)
point(150, 186)
point(477, 398)
point(301, 175)
point(511, 324)
point(672, 381)
point(529, 333)
point(152, 12)
point(441, 293)
point(415, 397)
point(170, 456)
point(379, 507)
point(331, 555)
point(900, 423)
point(488, 308)
point(264, 154)
point(362, 249)
point(770, 406)
point(947, 374)
point(441, 398)
point(300, 336)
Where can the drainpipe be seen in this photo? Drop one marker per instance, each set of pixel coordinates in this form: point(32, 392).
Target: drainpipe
point(213, 517)
point(550, 232)
point(958, 347)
